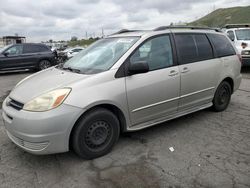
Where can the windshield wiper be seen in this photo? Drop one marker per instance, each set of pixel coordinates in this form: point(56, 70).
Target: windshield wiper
point(72, 69)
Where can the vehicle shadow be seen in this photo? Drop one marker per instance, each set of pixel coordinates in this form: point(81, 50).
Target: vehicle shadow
point(11, 73)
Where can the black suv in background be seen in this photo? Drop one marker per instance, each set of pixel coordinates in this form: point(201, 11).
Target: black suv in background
point(26, 56)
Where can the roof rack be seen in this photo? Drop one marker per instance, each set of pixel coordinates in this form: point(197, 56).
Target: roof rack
point(124, 31)
point(228, 26)
point(186, 27)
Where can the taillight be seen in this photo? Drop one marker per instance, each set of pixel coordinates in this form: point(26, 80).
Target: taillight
point(243, 45)
point(240, 58)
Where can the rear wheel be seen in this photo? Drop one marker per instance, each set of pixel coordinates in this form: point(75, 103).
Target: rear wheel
point(95, 134)
point(222, 97)
point(44, 64)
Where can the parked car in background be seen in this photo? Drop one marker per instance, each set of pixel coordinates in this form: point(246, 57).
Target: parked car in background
point(125, 82)
point(57, 47)
point(26, 56)
point(63, 56)
point(71, 52)
point(240, 35)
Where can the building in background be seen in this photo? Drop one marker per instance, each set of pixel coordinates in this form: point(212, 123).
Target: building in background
point(7, 40)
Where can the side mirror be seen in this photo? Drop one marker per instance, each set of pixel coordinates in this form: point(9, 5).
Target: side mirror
point(6, 54)
point(138, 67)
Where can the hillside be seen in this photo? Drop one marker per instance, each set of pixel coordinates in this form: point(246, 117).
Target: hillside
point(220, 17)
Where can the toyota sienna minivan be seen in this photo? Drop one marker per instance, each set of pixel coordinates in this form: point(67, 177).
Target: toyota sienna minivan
point(125, 82)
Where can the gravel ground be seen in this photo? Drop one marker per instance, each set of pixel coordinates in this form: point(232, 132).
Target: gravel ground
point(210, 150)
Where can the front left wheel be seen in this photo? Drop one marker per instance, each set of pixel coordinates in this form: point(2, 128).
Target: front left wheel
point(95, 133)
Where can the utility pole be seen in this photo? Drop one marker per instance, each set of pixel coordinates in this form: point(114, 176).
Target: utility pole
point(102, 32)
point(86, 35)
point(214, 7)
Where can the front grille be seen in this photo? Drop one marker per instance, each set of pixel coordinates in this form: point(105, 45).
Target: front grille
point(34, 146)
point(245, 52)
point(15, 104)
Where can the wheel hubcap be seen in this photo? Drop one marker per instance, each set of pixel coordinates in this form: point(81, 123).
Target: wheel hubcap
point(97, 135)
point(224, 95)
point(44, 64)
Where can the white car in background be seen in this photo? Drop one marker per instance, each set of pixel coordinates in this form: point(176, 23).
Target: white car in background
point(240, 35)
point(71, 52)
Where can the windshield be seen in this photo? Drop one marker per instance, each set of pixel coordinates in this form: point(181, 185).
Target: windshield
point(243, 34)
point(100, 56)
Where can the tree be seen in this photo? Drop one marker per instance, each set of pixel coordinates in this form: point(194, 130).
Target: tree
point(74, 38)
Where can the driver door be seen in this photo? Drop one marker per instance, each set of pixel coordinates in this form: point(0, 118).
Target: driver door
point(154, 94)
point(12, 58)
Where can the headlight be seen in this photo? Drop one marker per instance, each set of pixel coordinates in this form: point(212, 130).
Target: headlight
point(47, 101)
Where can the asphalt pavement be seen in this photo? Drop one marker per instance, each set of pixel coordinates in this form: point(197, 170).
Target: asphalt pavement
point(203, 149)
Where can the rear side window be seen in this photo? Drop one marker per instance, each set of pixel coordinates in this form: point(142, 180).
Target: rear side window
point(193, 48)
point(222, 45)
point(33, 48)
point(28, 49)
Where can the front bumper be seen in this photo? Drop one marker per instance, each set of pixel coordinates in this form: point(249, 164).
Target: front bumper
point(41, 132)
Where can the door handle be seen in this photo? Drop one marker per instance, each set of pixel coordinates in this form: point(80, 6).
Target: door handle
point(173, 73)
point(185, 70)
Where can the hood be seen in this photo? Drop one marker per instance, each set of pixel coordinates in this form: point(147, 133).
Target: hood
point(43, 82)
point(243, 41)
point(239, 47)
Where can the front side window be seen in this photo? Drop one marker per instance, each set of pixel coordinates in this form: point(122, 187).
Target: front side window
point(243, 34)
point(5, 48)
point(101, 55)
point(222, 45)
point(193, 48)
point(15, 50)
point(157, 52)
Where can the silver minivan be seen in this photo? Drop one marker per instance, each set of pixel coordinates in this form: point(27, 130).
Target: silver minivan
point(125, 82)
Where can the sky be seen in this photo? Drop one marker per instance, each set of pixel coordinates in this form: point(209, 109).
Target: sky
point(42, 20)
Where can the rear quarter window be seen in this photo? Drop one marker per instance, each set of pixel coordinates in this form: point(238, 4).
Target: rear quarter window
point(222, 45)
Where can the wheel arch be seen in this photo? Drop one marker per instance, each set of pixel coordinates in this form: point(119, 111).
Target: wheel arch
point(230, 81)
point(111, 107)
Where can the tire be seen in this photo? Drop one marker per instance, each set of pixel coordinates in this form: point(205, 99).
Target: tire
point(44, 64)
point(222, 97)
point(95, 134)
